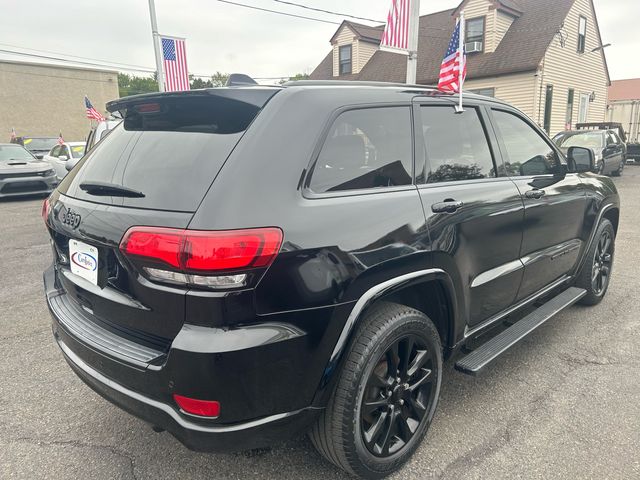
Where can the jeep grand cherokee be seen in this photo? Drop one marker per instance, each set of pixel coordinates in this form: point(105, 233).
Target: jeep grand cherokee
point(240, 265)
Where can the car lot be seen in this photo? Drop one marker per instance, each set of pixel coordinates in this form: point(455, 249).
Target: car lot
point(565, 403)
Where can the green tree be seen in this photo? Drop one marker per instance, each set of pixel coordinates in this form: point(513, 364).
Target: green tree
point(196, 82)
point(134, 85)
point(297, 76)
point(219, 79)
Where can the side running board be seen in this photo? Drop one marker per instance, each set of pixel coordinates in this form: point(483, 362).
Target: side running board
point(489, 351)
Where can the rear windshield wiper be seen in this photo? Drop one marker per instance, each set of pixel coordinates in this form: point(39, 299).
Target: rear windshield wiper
point(109, 189)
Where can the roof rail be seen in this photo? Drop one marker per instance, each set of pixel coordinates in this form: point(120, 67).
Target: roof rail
point(359, 83)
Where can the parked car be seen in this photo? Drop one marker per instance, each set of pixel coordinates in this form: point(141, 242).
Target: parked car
point(23, 174)
point(609, 149)
point(62, 153)
point(96, 134)
point(236, 293)
point(39, 146)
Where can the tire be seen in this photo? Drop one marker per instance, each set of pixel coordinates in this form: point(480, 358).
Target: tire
point(598, 265)
point(618, 172)
point(346, 433)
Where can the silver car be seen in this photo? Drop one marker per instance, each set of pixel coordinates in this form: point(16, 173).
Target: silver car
point(23, 174)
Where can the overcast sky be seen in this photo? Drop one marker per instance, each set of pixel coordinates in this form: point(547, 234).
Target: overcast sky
point(228, 38)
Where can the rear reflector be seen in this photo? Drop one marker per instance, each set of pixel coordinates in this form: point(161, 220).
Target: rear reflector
point(202, 408)
point(198, 252)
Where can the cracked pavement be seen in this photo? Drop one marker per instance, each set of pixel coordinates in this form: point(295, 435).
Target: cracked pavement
point(564, 403)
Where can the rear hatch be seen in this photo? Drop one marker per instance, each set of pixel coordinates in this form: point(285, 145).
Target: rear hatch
point(152, 170)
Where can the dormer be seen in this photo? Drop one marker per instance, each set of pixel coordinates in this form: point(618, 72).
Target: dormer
point(487, 22)
point(353, 45)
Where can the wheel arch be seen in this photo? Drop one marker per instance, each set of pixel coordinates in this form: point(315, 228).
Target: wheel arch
point(410, 290)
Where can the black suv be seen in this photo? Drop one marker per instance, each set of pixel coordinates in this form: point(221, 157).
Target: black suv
point(240, 265)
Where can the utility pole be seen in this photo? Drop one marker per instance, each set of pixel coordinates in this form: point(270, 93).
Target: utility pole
point(414, 30)
point(156, 44)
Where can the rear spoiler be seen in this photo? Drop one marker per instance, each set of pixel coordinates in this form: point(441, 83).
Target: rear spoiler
point(256, 96)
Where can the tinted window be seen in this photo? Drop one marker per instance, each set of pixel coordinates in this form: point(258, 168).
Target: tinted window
point(456, 145)
point(368, 148)
point(170, 150)
point(526, 151)
point(55, 151)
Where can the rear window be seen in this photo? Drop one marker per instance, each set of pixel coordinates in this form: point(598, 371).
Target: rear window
point(170, 148)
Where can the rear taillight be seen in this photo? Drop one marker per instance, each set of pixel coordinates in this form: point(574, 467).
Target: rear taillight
point(46, 209)
point(213, 259)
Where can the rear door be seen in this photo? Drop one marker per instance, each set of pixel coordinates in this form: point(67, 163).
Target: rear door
point(474, 213)
point(554, 202)
point(614, 152)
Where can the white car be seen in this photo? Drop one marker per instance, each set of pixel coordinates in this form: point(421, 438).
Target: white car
point(59, 155)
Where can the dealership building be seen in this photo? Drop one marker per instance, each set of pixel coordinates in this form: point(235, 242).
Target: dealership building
point(43, 99)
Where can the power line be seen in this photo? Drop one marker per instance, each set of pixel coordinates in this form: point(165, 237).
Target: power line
point(278, 12)
point(139, 68)
point(328, 11)
point(106, 62)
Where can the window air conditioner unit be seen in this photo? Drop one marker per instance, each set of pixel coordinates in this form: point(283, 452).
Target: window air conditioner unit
point(473, 47)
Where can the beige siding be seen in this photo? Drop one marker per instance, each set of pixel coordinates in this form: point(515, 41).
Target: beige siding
point(345, 37)
point(517, 90)
point(564, 68)
point(46, 99)
point(365, 52)
point(480, 8)
point(502, 24)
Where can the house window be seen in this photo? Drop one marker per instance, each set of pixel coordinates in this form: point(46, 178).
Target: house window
point(582, 34)
point(475, 31)
point(345, 59)
point(548, 107)
point(487, 92)
point(568, 122)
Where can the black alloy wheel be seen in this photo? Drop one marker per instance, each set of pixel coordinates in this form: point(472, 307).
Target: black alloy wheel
point(602, 262)
point(596, 271)
point(397, 397)
point(385, 395)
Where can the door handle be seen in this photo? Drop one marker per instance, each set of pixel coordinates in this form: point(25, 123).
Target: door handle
point(534, 194)
point(448, 206)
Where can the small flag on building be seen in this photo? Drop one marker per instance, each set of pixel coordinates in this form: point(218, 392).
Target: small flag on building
point(60, 139)
point(395, 37)
point(455, 59)
point(13, 135)
point(174, 62)
point(92, 113)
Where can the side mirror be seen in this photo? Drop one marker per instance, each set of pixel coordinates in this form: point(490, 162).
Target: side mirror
point(64, 158)
point(581, 159)
point(70, 164)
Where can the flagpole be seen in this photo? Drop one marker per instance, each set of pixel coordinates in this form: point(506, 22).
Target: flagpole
point(156, 44)
point(412, 43)
point(461, 60)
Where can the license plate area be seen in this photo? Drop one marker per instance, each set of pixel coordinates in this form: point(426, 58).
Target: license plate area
point(84, 260)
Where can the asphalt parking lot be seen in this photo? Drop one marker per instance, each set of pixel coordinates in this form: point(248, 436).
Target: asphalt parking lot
point(565, 403)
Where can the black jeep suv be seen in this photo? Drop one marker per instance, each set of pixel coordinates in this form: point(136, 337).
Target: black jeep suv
point(241, 265)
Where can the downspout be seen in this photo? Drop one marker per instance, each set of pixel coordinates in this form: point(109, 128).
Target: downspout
point(541, 77)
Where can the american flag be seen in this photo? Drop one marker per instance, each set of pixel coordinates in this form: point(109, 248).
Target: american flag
point(13, 134)
point(60, 139)
point(396, 32)
point(450, 67)
point(92, 113)
point(174, 55)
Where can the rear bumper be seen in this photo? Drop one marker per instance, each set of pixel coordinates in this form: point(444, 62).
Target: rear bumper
point(235, 437)
point(258, 406)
